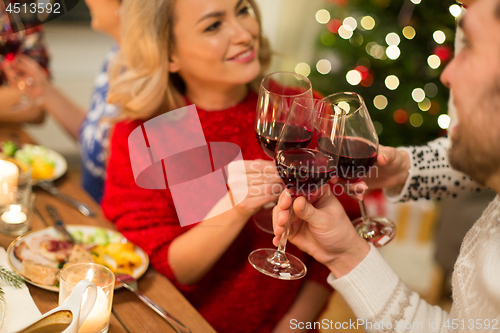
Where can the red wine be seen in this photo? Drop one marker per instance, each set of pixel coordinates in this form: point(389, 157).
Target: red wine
point(268, 135)
point(10, 48)
point(304, 170)
point(356, 157)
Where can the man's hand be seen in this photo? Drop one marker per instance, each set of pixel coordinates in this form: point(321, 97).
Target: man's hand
point(323, 230)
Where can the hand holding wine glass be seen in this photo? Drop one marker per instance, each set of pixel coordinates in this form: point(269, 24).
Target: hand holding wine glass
point(358, 154)
point(276, 95)
point(304, 170)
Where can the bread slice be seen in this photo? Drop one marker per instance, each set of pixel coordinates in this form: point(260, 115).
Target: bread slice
point(38, 273)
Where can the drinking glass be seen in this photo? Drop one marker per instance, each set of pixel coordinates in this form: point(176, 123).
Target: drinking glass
point(357, 156)
point(304, 168)
point(98, 319)
point(12, 38)
point(276, 94)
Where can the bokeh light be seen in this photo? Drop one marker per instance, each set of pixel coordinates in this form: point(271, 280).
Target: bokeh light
point(444, 121)
point(392, 39)
point(353, 77)
point(345, 33)
point(380, 102)
point(400, 116)
point(416, 120)
point(393, 52)
point(368, 22)
point(434, 61)
point(455, 10)
point(303, 69)
point(416, 2)
point(323, 66)
point(392, 82)
point(431, 89)
point(439, 36)
point(323, 16)
point(418, 95)
point(425, 105)
point(350, 23)
point(409, 32)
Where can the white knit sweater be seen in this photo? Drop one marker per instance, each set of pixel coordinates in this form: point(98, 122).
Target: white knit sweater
point(385, 304)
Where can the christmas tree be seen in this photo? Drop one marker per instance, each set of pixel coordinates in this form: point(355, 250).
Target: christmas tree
point(392, 53)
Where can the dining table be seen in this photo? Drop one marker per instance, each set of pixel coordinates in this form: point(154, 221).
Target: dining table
point(129, 314)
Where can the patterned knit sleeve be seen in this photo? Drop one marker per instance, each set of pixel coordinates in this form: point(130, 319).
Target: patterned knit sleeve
point(431, 176)
point(383, 303)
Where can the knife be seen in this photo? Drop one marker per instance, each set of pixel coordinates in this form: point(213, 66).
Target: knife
point(59, 225)
point(49, 187)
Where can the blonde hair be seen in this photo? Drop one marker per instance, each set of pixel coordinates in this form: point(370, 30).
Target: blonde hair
point(139, 78)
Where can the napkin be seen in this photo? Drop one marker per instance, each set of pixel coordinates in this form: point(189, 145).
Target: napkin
point(21, 309)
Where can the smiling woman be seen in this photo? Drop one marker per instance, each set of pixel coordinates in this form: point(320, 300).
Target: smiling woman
point(211, 53)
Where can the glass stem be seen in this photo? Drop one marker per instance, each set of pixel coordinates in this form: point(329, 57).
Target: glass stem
point(362, 208)
point(284, 237)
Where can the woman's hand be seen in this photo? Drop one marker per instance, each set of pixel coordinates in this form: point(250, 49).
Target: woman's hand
point(323, 230)
point(27, 75)
point(262, 181)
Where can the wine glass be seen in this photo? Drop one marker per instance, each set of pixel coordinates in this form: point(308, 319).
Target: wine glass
point(12, 39)
point(358, 154)
point(304, 168)
point(276, 94)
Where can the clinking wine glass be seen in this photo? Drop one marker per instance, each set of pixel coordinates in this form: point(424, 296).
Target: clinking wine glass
point(304, 169)
point(358, 154)
point(12, 38)
point(276, 95)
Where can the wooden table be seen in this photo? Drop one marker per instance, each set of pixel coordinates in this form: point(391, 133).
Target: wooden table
point(129, 314)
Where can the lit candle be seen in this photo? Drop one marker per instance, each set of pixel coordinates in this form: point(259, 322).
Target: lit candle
point(9, 173)
point(14, 215)
point(98, 318)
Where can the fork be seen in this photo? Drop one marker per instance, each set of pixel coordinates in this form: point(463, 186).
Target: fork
point(130, 283)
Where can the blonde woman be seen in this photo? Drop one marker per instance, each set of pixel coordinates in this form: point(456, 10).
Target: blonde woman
point(210, 53)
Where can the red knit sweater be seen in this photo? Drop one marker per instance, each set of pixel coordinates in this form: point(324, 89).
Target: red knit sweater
point(232, 296)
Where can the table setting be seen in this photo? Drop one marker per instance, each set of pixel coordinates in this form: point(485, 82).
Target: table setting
point(31, 222)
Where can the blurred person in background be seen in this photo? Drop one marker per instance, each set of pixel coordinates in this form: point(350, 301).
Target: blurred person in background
point(89, 127)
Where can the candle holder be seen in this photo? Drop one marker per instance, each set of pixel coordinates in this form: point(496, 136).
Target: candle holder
point(98, 319)
point(16, 198)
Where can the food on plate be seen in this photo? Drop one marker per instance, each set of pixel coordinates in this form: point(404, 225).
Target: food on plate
point(38, 157)
point(42, 256)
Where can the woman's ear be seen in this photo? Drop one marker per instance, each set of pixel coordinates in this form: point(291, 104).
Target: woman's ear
point(173, 64)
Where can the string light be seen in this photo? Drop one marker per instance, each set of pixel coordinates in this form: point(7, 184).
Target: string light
point(392, 82)
point(323, 16)
point(425, 105)
point(418, 95)
point(350, 23)
point(431, 89)
point(393, 52)
point(323, 66)
point(455, 10)
point(444, 121)
point(368, 22)
point(345, 33)
point(380, 102)
point(392, 39)
point(434, 61)
point(353, 77)
point(416, 120)
point(409, 32)
point(303, 69)
point(439, 36)
point(416, 2)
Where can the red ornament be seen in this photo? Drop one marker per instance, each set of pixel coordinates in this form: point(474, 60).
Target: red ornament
point(444, 53)
point(334, 25)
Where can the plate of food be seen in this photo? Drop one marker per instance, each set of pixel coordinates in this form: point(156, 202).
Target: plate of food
point(46, 164)
point(38, 256)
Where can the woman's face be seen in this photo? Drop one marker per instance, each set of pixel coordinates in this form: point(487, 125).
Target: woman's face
point(215, 41)
point(105, 15)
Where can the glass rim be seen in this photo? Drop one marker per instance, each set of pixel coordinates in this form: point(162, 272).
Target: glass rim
point(90, 264)
point(285, 72)
point(348, 93)
point(320, 113)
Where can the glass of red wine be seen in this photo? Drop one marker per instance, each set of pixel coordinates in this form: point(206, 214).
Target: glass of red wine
point(12, 38)
point(276, 94)
point(304, 169)
point(358, 154)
